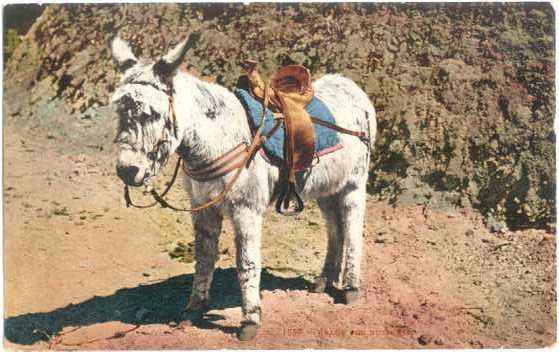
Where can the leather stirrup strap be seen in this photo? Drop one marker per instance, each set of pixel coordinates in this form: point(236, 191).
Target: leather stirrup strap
point(298, 151)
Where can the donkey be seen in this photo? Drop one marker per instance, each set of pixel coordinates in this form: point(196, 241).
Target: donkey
point(209, 120)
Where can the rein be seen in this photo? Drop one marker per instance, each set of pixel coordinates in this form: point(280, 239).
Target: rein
point(128, 199)
point(237, 158)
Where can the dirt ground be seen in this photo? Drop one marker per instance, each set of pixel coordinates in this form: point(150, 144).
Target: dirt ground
point(84, 272)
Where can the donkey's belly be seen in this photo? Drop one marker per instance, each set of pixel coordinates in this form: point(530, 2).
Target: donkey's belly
point(332, 173)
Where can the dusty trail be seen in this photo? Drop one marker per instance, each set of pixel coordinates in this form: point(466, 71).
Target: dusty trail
point(81, 271)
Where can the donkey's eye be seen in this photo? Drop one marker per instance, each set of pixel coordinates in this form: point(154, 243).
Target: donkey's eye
point(147, 116)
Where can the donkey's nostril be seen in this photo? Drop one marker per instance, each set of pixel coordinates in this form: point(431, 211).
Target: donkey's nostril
point(128, 174)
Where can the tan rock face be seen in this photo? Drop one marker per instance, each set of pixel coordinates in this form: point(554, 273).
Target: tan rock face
point(464, 93)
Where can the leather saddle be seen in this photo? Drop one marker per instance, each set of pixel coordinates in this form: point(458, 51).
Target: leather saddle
point(287, 92)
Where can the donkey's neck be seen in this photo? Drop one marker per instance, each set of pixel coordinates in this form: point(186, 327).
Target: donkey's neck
point(210, 118)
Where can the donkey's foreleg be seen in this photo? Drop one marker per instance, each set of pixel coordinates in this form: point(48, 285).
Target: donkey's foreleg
point(207, 227)
point(248, 231)
point(352, 211)
point(334, 254)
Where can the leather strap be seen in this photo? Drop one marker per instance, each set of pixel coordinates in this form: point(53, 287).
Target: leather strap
point(360, 134)
point(128, 199)
point(221, 166)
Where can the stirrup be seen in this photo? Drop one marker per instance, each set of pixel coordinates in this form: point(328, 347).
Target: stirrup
point(287, 194)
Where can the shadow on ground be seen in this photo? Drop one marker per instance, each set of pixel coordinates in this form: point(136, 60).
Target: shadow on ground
point(161, 303)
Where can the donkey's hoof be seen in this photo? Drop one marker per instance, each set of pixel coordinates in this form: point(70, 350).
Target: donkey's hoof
point(195, 309)
point(349, 296)
point(319, 285)
point(247, 331)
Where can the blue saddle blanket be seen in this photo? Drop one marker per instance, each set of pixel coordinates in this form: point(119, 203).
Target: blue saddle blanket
point(326, 139)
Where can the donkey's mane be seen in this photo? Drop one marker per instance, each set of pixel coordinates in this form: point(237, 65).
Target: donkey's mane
point(214, 118)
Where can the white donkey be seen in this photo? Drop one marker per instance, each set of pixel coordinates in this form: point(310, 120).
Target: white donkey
point(210, 121)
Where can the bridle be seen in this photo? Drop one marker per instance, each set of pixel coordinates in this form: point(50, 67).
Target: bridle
point(237, 158)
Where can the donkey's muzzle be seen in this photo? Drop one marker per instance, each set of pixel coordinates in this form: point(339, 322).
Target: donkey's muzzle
point(129, 175)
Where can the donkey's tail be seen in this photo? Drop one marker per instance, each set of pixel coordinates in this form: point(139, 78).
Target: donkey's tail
point(371, 125)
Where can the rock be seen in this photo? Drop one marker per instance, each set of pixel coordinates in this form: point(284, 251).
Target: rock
point(181, 251)
point(539, 329)
point(424, 340)
point(495, 225)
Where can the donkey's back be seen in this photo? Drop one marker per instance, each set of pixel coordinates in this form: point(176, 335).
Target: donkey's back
point(348, 166)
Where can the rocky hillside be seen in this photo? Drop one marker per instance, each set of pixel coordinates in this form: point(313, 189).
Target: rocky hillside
point(464, 92)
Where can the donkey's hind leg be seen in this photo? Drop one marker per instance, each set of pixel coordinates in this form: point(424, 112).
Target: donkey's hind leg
point(352, 213)
point(207, 227)
point(333, 261)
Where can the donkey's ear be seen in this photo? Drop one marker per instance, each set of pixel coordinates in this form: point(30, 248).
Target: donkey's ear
point(122, 54)
point(168, 64)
